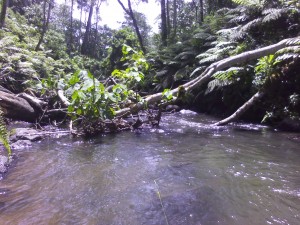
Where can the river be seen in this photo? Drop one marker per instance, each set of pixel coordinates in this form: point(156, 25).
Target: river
point(184, 172)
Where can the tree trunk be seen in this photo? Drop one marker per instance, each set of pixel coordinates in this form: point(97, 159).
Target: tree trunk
point(237, 114)
point(45, 23)
point(137, 30)
point(71, 28)
point(164, 29)
point(209, 71)
point(3, 12)
point(80, 27)
point(201, 19)
point(85, 42)
point(174, 20)
point(130, 13)
point(196, 9)
point(17, 108)
point(168, 19)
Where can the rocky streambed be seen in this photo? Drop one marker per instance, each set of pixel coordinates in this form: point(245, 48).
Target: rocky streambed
point(23, 135)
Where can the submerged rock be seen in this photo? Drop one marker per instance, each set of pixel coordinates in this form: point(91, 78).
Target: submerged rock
point(26, 134)
point(188, 112)
point(21, 144)
point(175, 108)
point(3, 164)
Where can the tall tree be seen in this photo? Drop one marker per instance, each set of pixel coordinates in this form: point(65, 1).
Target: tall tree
point(46, 19)
point(201, 11)
point(130, 13)
point(3, 12)
point(168, 17)
point(85, 42)
point(71, 28)
point(144, 28)
point(174, 19)
point(164, 28)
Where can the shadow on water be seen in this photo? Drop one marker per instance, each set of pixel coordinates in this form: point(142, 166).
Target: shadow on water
point(184, 172)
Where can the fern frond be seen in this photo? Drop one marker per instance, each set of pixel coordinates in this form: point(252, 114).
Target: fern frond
point(198, 70)
point(287, 56)
point(214, 84)
point(203, 55)
point(228, 74)
point(252, 24)
point(239, 19)
point(224, 51)
point(272, 14)
point(249, 2)
point(238, 36)
point(290, 49)
point(210, 59)
point(185, 55)
point(4, 134)
point(294, 41)
point(224, 44)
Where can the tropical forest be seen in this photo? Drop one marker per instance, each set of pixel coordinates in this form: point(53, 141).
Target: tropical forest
point(154, 112)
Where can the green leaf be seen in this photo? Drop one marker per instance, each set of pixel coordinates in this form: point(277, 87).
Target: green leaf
point(167, 94)
point(111, 97)
point(117, 73)
point(79, 111)
point(87, 84)
point(71, 108)
point(75, 95)
point(74, 79)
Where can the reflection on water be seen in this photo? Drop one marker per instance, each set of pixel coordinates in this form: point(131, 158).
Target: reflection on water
point(202, 175)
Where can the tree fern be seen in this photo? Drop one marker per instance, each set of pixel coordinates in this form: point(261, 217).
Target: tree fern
point(290, 52)
point(273, 14)
point(224, 78)
point(4, 134)
point(249, 2)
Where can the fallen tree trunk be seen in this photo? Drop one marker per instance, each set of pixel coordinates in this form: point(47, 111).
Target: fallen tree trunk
point(17, 108)
point(209, 71)
point(241, 110)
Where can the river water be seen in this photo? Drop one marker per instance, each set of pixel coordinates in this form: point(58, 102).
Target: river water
point(185, 172)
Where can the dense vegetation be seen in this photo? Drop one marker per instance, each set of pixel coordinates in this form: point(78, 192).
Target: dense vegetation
point(79, 71)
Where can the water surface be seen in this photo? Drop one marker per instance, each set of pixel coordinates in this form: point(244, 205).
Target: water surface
point(185, 172)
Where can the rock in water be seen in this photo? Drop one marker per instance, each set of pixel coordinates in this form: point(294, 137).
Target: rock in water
point(3, 163)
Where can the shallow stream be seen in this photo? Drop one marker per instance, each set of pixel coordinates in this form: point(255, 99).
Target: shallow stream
point(185, 172)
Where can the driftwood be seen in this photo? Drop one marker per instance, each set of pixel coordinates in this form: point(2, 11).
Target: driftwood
point(207, 74)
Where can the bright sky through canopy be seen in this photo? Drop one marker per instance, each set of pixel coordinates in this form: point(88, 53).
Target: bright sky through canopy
point(112, 13)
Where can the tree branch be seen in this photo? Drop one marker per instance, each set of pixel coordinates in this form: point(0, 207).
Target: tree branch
point(240, 111)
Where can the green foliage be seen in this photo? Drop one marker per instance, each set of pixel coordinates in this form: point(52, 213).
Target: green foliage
point(249, 2)
point(264, 69)
point(167, 95)
point(136, 65)
point(4, 134)
point(89, 97)
point(225, 78)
